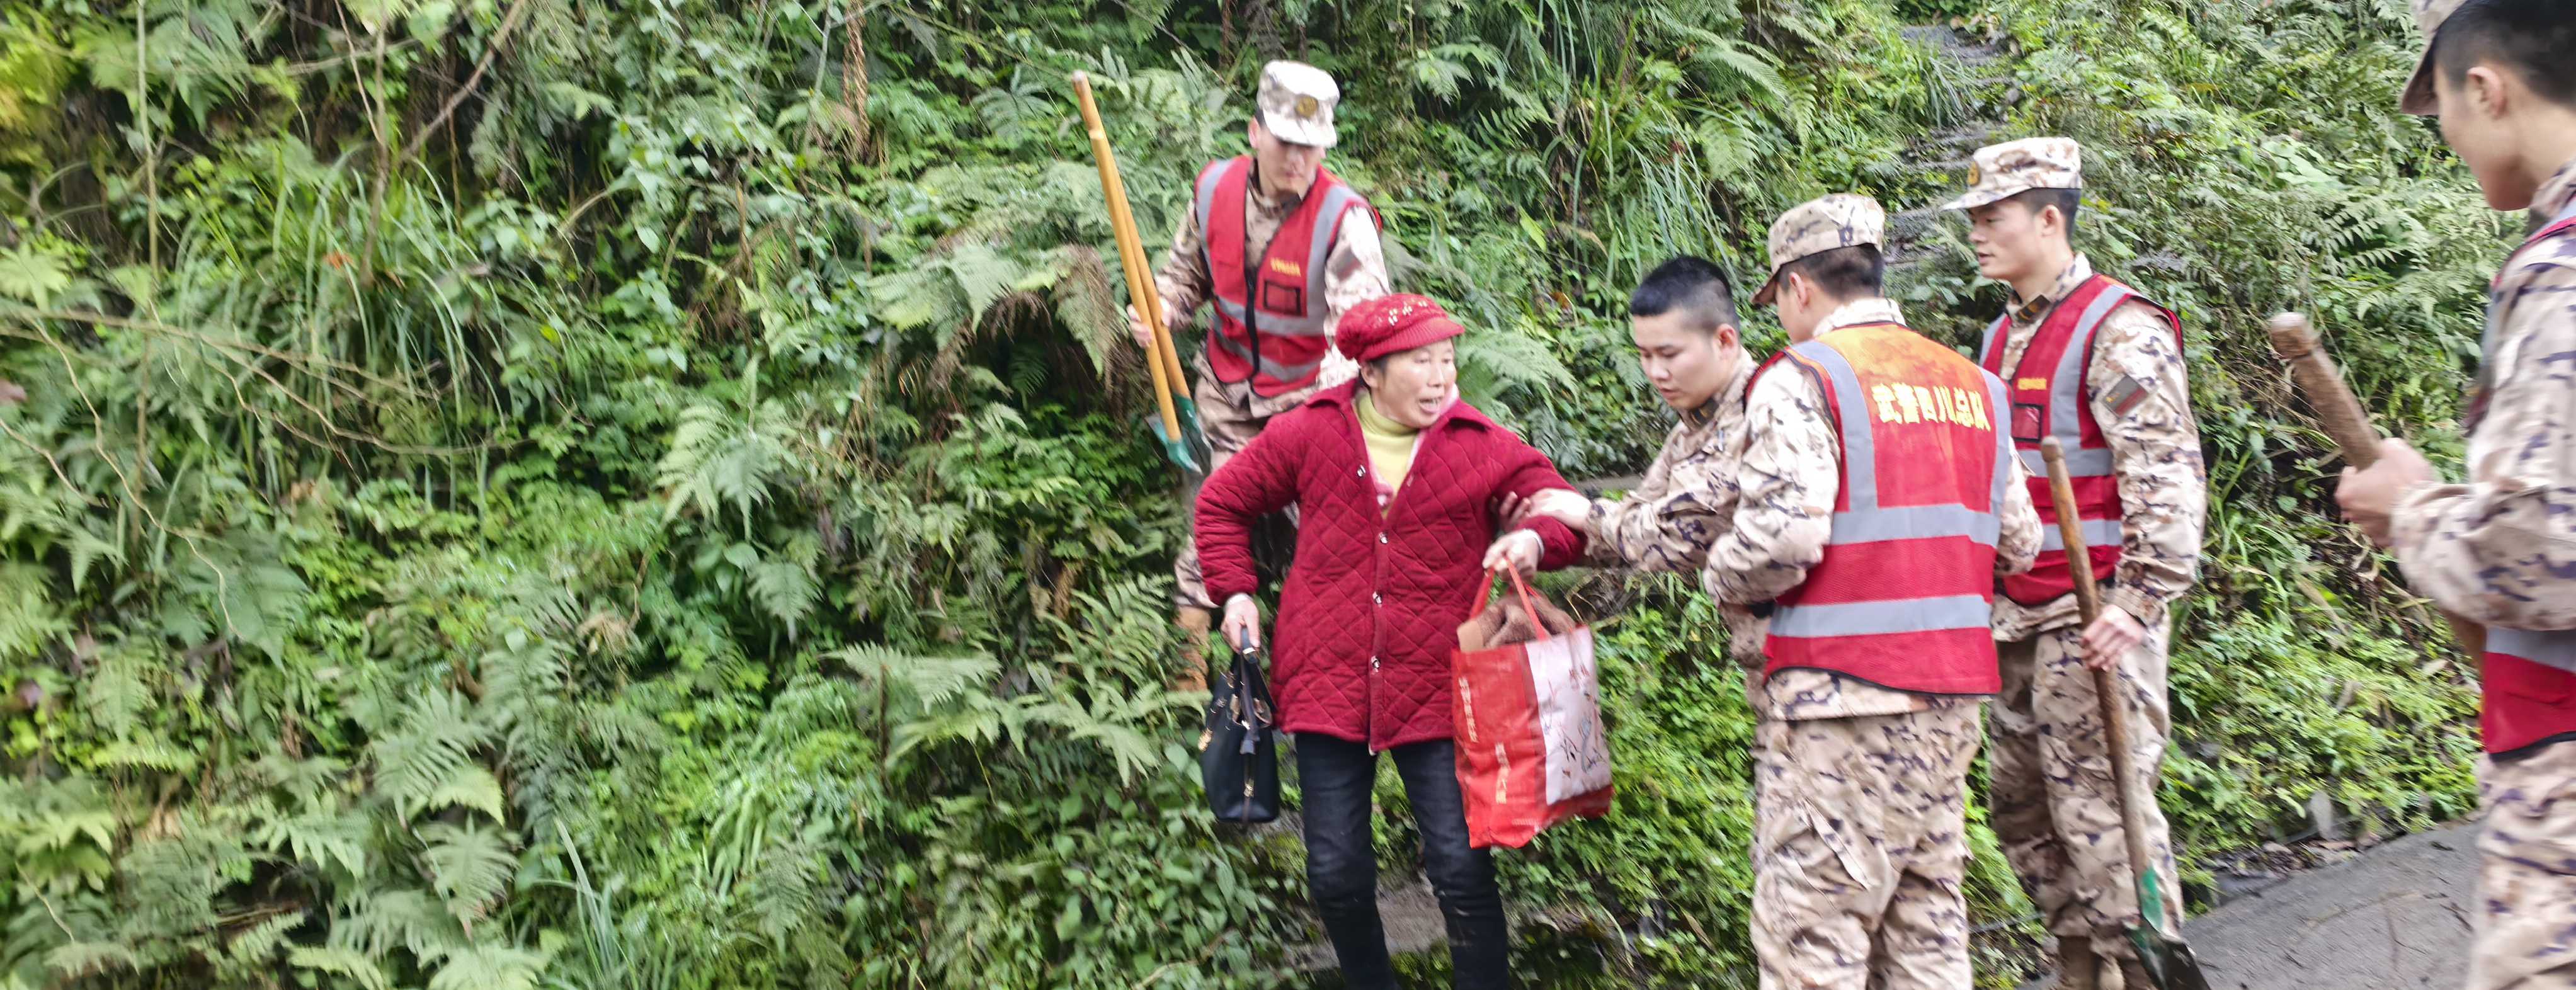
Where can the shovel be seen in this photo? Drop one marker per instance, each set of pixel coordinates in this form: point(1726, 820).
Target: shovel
point(2346, 422)
point(2165, 956)
point(1184, 443)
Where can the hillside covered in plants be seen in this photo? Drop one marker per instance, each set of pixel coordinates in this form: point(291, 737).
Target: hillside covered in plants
point(649, 494)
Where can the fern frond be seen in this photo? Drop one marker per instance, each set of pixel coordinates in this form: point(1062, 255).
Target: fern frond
point(470, 867)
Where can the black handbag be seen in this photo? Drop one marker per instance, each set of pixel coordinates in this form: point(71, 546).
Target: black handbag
point(1239, 755)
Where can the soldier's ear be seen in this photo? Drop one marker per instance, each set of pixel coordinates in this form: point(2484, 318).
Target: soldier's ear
point(1728, 337)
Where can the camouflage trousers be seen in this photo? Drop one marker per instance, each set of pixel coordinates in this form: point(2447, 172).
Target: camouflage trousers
point(1231, 415)
point(2054, 804)
point(1859, 850)
point(2526, 935)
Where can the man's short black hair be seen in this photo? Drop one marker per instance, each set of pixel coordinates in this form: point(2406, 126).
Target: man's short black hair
point(1691, 285)
point(2536, 39)
point(2066, 201)
point(1855, 272)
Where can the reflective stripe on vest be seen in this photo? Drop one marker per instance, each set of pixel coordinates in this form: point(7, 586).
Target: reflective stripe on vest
point(1864, 520)
point(2066, 399)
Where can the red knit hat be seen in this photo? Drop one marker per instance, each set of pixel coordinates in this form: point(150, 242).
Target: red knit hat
point(1388, 324)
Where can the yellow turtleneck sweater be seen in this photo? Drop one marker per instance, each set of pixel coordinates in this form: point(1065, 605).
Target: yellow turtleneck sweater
point(1390, 444)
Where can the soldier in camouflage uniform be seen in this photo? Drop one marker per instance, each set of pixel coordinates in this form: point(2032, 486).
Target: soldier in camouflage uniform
point(1683, 321)
point(1304, 250)
point(2076, 338)
point(1860, 782)
point(2500, 549)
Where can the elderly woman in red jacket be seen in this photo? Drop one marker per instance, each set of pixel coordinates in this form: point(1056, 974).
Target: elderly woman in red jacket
point(1398, 485)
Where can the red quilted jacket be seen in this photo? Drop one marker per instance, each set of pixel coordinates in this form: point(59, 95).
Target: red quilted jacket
point(1371, 610)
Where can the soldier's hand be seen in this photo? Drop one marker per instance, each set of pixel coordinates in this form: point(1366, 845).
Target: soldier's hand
point(1138, 328)
point(2369, 495)
point(2111, 636)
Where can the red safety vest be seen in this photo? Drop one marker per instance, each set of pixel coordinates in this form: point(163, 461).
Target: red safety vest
point(2049, 398)
point(2529, 677)
point(1276, 336)
point(1905, 593)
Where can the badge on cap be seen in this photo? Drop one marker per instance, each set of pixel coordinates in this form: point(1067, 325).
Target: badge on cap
point(1975, 174)
point(1306, 106)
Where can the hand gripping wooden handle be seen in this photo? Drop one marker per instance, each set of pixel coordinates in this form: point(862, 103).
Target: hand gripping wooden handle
point(2344, 419)
point(2338, 410)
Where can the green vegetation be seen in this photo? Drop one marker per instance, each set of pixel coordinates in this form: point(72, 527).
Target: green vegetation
point(603, 493)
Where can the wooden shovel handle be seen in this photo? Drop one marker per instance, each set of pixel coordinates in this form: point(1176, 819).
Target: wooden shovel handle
point(2347, 422)
point(2338, 410)
point(2106, 683)
point(1131, 260)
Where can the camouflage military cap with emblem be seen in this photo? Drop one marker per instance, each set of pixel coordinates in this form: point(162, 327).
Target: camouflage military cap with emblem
point(1297, 103)
point(2417, 97)
point(1999, 171)
point(1819, 225)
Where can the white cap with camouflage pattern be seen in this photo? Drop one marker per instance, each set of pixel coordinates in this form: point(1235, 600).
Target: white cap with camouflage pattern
point(2417, 98)
point(2000, 171)
point(1819, 225)
point(1297, 103)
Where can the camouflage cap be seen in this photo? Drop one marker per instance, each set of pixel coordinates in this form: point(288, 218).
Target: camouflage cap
point(1297, 103)
point(1819, 225)
point(2016, 167)
point(2417, 98)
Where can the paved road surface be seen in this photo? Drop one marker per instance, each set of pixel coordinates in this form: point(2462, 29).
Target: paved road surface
point(2394, 918)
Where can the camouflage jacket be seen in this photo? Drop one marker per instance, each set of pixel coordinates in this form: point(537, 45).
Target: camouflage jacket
point(2500, 548)
point(2155, 452)
point(1791, 475)
point(1354, 273)
point(1686, 499)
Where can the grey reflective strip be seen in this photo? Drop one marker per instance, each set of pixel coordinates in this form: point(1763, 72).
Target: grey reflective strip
point(2548, 649)
point(2079, 463)
point(1911, 615)
point(1208, 183)
point(1319, 248)
point(2066, 390)
point(1998, 418)
point(1860, 459)
point(1916, 522)
point(2097, 533)
point(1283, 372)
point(1994, 339)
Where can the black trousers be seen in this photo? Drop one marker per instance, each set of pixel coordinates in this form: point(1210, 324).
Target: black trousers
point(1336, 778)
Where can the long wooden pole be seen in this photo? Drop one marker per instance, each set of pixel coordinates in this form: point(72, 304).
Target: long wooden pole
point(2346, 422)
point(2106, 681)
point(1131, 259)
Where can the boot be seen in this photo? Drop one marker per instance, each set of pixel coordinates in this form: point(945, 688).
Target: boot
point(2133, 975)
point(1194, 623)
point(2077, 967)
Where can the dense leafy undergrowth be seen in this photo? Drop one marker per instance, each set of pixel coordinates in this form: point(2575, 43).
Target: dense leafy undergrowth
point(646, 493)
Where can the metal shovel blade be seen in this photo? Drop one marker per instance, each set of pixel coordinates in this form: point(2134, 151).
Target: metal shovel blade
point(1190, 453)
point(2166, 958)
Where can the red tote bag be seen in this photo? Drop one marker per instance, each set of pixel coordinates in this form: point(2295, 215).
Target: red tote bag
point(1532, 751)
